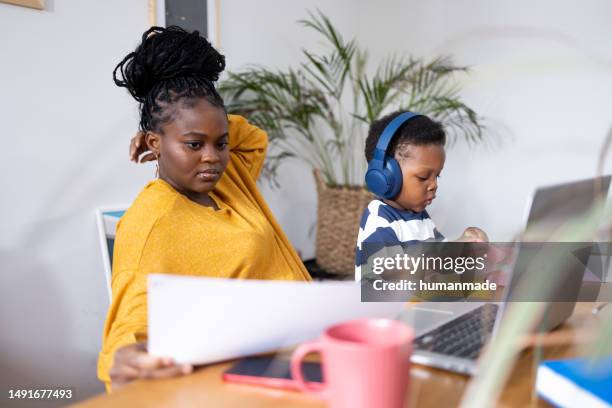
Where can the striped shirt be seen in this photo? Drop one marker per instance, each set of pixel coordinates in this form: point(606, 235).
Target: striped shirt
point(383, 225)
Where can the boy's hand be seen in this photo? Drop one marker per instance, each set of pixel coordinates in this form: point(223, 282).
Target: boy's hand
point(474, 234)
point(138, 147)
point(133, 362)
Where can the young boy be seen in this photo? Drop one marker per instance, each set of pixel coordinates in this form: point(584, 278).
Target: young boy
point(418, 147)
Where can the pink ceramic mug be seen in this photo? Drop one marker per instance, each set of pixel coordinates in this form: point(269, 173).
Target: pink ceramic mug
point(366, 363)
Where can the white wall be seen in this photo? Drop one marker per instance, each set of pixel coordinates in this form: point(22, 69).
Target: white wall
point(64, 128)
point(542, 75)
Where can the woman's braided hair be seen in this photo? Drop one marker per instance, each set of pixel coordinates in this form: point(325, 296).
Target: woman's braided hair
point(170, 65)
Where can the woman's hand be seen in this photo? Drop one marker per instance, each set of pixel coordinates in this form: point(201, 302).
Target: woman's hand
point(474, 234)
point(138, 147)
point(133, 362)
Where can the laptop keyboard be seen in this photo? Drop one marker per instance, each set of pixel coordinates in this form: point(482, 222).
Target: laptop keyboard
point(462, 337)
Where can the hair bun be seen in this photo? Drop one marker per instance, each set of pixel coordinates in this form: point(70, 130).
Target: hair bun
point(166, 53)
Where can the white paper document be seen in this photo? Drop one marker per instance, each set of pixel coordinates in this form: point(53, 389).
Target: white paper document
point(202, 320)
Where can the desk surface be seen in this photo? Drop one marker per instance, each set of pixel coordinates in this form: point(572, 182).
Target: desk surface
point(428, 387)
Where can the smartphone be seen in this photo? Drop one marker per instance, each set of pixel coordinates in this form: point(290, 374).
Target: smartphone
point(271, 371)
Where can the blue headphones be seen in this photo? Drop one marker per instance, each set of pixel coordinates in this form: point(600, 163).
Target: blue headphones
point(384, 175)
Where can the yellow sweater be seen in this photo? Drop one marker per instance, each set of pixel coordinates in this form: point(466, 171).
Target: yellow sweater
point(165, 232)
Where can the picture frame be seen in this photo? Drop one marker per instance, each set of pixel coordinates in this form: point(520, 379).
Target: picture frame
point(157, 17)
point(35, 4)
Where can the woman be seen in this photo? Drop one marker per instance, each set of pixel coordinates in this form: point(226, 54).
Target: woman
point(203, 216)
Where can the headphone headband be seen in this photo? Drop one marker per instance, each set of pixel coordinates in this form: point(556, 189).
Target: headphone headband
point(387, 135)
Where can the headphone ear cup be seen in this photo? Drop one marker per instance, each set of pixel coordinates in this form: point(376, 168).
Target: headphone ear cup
point(393, 173)
point(376, 181)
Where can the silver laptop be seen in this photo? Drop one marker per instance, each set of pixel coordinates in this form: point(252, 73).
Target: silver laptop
point(452, 335)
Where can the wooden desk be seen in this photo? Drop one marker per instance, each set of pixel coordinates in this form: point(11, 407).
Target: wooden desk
point(429, 387)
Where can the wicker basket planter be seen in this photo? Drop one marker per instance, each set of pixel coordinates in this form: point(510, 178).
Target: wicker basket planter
point(339, 211)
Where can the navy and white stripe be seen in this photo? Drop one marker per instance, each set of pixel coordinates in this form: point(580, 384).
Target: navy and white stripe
point(383, 225)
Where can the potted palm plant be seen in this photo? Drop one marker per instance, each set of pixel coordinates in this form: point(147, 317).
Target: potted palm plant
point(318, 112)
